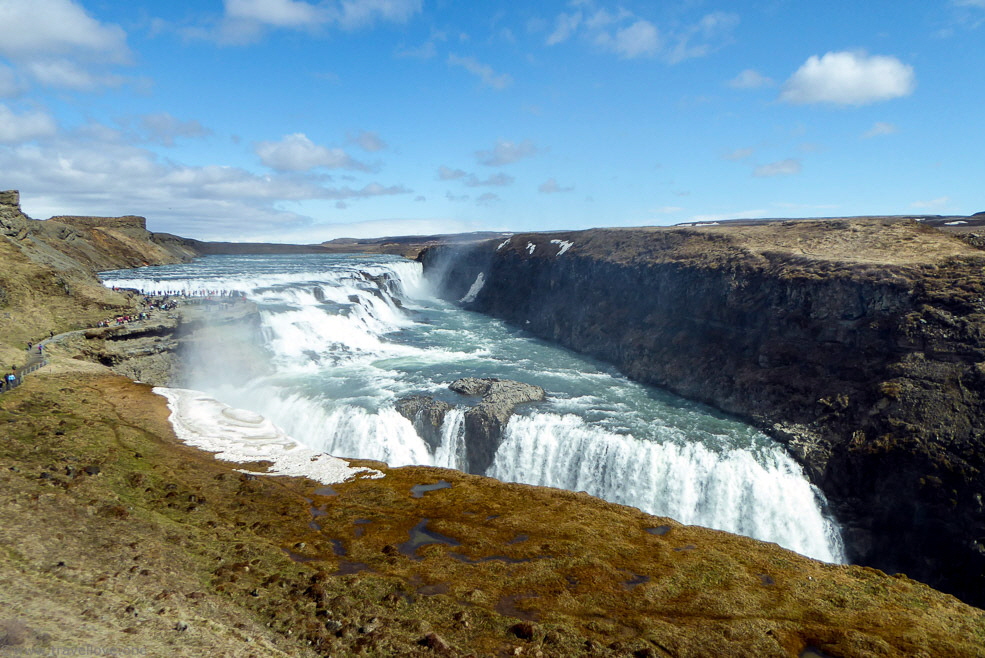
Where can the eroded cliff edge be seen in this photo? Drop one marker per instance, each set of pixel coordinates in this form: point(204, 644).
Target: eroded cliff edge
point(860, 343)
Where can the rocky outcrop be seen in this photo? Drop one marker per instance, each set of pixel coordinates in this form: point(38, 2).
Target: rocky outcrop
point(859, 343)
point(81, 221)
point(427, 415)
point(160, 349)
point(484, 420)
point(143, 351)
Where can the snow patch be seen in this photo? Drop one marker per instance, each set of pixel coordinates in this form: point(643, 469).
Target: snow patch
point(530, 248)
point(563, 244)
point(955, 223)
point(239, 435)
point(503, 244)
point(474, 290)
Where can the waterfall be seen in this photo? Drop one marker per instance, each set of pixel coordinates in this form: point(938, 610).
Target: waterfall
point(765, 495)
point(344, 337)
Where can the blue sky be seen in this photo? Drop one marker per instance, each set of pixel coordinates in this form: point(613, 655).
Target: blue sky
point(302, 121)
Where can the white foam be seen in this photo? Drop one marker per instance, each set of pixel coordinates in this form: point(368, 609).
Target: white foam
point(243, 436)
point(474, 290)
point(563, 244)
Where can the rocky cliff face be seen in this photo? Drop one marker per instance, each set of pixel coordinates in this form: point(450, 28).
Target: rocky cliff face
point(859, 343)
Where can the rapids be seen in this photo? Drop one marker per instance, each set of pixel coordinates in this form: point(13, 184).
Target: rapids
point(343, 337)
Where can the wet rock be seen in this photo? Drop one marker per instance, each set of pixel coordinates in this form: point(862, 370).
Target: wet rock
point(485, 421)
point(427, 415)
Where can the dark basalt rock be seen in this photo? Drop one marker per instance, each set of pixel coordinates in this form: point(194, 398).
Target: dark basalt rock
point(427, 415)
point(485, 421)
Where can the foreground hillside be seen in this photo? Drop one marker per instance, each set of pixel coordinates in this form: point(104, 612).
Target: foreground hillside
point(116, 536)
point(860, 343)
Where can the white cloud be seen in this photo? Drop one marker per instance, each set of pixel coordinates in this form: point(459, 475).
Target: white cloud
point(849, 78)
point(630, 36)
point(641, 39)
point(564, 27)
point(368, 141)
point(706, 36)
point(787, 167)
point(67, 74)
point(506, 152)
point(750, 79)
point(16, 128)
point(58, 44)
point(471, 180)
point(57, 27)
point(489, 77)
point(376, 228)
point(163, 128)
point(95, 171)
point(487, 198)
point(603, 18)
point(9, 83)
point(739, 154)
point(277, 13)
point(360, 13)
point(550, 186)
point(446, 173)
point(939, 202)
point(878, 129)
point(494, 180)
point(298, 153)
point(245, 20)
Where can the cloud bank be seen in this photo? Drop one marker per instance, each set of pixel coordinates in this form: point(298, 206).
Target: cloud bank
point(849, 78)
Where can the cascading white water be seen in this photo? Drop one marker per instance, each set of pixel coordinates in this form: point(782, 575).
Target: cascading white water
point(348, 336)
point(685, 480)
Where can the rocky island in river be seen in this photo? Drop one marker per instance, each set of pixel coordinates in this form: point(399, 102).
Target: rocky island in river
point(855, 341)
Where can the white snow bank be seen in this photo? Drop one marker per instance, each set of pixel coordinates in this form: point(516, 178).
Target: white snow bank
point(563, 244)
point(474, 290)
point(238, 435)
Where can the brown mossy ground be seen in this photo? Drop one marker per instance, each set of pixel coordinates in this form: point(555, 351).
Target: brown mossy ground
point(115, 534)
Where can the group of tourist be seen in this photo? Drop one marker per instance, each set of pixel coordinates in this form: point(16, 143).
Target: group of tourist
point(16, 376)
point(164, 303)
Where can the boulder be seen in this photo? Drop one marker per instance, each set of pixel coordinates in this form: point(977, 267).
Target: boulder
point(485, 421)
point(427, 415)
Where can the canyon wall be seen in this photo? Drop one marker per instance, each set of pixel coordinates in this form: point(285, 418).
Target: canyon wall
point(858, 343)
